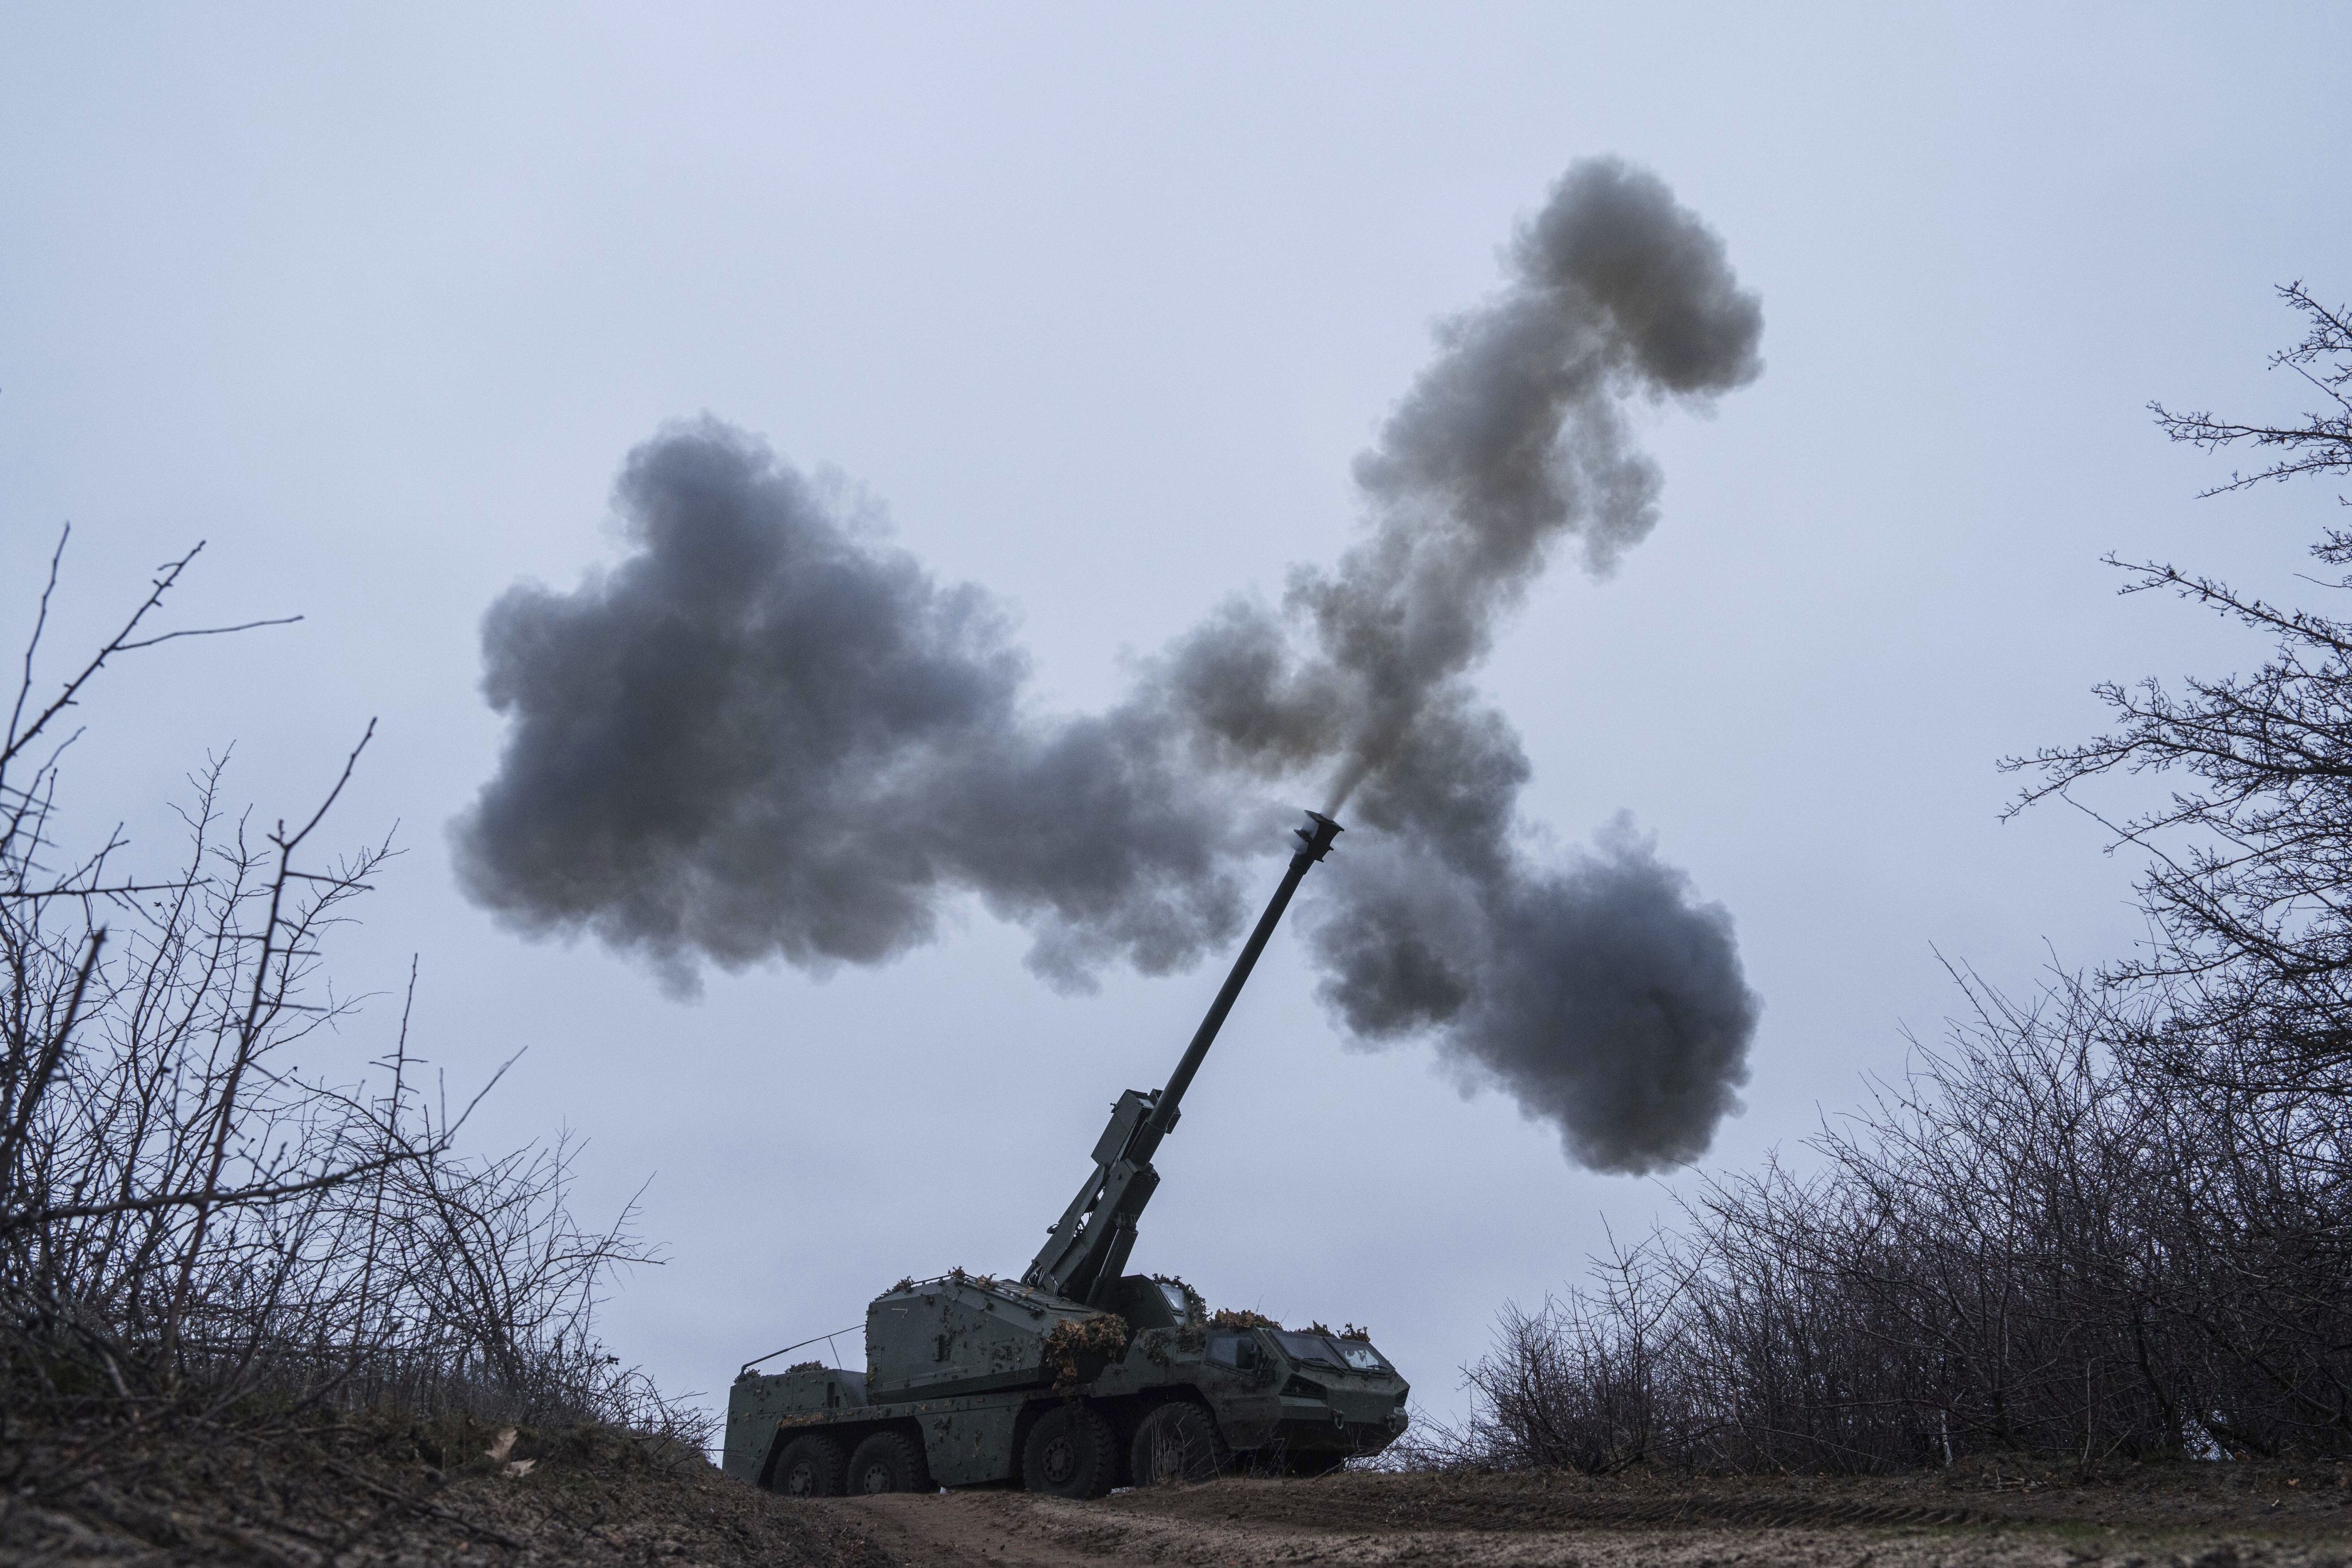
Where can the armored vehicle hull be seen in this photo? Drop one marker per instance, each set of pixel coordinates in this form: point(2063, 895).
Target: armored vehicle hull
point(983, 1381)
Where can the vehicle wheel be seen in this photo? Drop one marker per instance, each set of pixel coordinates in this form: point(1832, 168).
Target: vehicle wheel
point(887, 1462)
point(809, 1467)
point(1176, 1443)
point(1071, 1452)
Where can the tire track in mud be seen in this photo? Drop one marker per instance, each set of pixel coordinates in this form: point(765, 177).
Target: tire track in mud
point(1474, 1516)
point(993, 1529)
point(1213, 1527)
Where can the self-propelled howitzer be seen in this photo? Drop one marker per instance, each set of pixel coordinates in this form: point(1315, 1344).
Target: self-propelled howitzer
point(1080, 1376)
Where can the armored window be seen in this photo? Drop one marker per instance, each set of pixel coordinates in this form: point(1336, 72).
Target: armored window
point(1309, 1347)
point(1239, 1351)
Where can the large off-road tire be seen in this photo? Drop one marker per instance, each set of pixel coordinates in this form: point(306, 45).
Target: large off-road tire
point(889, 1462)
point(809, 1466)
point(1177, 1443)
point(1071, 1452)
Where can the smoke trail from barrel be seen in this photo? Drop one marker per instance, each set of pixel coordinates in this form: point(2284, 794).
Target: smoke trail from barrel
point(1511, 442)
point(1600, 993)
point(766, 734)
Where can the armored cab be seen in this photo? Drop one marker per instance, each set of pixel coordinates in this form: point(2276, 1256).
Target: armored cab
point(1077, 1376)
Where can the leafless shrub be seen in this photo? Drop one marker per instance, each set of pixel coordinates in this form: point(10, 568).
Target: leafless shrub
point(1583, 1383)
point(2249, 858)
point(193, 1228)
point(2035, 1243)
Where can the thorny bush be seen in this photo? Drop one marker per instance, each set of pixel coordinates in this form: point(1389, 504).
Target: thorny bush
point(191, 1230)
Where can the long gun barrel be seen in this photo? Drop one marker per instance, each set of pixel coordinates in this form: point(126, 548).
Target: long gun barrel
point(1086, 1251)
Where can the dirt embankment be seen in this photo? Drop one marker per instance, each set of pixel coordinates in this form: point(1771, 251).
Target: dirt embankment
point(393, 1494)
point(2203, 1516)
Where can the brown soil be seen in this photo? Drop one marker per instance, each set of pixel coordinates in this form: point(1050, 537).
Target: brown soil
point(394, 1493)
point(2193, 1516)
point(407, 1495)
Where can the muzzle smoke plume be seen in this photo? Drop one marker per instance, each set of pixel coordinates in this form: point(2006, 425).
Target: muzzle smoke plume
point(767, 733)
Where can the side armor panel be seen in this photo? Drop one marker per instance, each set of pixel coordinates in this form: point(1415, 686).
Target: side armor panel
point(954, 1336)
point(968, 1446)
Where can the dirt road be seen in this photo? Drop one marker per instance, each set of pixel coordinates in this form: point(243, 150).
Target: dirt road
point(1382, 1520)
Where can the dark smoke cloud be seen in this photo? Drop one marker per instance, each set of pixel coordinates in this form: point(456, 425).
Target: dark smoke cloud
point(1594, 988)
point(1600, 994)
point(766, 735)
point(763, 735)
point(1513, 440)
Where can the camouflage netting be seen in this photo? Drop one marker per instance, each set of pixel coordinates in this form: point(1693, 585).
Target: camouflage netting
point(1346, 1332)
point(1102, 1337)
point(1240, 1318)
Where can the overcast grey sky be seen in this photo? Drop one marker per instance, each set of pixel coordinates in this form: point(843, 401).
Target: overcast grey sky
point(1097, 306)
